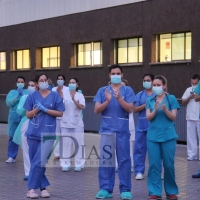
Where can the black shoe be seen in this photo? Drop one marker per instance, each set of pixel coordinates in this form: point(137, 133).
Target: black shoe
point(196, 176)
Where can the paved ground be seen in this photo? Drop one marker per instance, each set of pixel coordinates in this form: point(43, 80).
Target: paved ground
point(84, 185)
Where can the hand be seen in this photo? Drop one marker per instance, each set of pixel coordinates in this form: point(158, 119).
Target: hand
point(196, 97)
point(20, 91)
point(60, 92)
point(163, 107)
point(191, 95)
point(40, 107)
point(117, 94)
point(72, 93)
point(156, 105)
point(108, 95)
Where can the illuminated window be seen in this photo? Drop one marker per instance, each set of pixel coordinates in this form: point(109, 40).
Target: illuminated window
point(89, 54)
point(173, 47)
point(2, 60)
point(129, 51)
point(21, 59)
point(50, 57)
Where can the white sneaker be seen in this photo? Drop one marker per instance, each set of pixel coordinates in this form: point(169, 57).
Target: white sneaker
point(44, 194)
point(10, 160)
point(191, 158)
point(139, 176)
point(32, 195)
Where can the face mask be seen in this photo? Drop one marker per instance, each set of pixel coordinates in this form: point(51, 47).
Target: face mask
point(31, 89)
point(72, 86)
point(147, 85)
point(194, 86)
point(157, 90)
point(20, 85)
point(60, 82)
point(116, 79)
point(43, 85)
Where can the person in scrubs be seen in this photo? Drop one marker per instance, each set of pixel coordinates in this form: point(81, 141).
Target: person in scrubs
point(140, 147)
point(62, 90)
point(114, 102)
point(42, 107)
point(72, 128)
point(12, 101)
point(19, 137)
point(161, 111)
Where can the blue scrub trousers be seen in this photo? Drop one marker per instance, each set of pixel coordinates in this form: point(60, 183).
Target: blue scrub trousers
point(156, 152)
point(38, 154)
point(140, 151)
point(110, 143)
point(12, 147)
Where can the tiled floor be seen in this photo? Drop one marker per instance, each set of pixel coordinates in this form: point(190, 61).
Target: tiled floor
point(84, 185)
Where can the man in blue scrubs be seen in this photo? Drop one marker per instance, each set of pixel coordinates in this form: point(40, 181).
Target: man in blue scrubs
point(114, 102)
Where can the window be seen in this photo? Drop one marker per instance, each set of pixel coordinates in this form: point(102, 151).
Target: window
point(2, 60)
point(173, 47)
point(89, 54)
point(51, 57)
point(21, 59)
point(129, 51)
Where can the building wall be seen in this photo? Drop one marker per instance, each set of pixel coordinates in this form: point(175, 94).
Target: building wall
point(137, 19)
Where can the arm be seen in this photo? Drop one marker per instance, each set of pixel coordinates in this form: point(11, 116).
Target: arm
point(150, 115)
point(171, 114)
point(126, 106)
point(139, 108)
point(196, 97)
point(186, 101)
point(32, 113)
point(12, 98)
point(98, 108)
point(79, 106)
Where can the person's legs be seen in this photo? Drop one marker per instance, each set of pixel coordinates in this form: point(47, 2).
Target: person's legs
point(168, 154)
point(154, 181)
point(12, 147)
point(124, 160)
point(191, 140)
point(140, 150)
point(66, 142)
point(58, 134)
point(107, 163)
point(80, 156)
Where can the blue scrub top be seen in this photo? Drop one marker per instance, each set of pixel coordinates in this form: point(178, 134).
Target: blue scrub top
point(143, 123)
point(43, 124)
point(161, 128)
point(114, 118)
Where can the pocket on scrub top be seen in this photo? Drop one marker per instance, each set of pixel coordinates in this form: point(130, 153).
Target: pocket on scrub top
point(123, 124)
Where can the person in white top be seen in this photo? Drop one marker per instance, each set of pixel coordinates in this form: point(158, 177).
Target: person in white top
point(192, 117)
point(62, 91)
point(72, 128)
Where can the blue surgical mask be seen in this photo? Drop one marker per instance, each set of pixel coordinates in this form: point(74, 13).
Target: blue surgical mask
point(31, 89)
point(43, 85)
point(158, 90)
point(116, 79)
point(194, 86)
point(60, 82)
point(20, 85)
point(72, 86)
point(147, 85)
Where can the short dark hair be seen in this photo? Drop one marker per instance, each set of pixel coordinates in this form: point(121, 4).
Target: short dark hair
point(38, 77)
point(20, 77)
point(60, 75)
point(150, 75)
point(115, 66)
point(195, 76)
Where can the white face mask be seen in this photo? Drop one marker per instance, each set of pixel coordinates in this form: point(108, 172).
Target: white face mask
point(31, 89)
point(43, 85)
point(158, 90)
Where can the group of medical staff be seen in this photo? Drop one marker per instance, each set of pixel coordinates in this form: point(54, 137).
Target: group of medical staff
point(39, 116)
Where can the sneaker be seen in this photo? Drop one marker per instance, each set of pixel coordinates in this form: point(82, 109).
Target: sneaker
point(77, 169)
point(196, 175)
point(31, 194)
point(10, 160)
point(103, 194)
point(191, 158)
point(126, 195)
point(172, 197)
point(65, 169)
point(44, 194)
point(25, 178)
point(155, 197)
point(139, 176)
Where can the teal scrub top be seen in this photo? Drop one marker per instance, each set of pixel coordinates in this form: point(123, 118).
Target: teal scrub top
point(197, 91)
point(161, 128)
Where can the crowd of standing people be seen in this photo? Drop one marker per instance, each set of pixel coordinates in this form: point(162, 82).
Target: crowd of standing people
point(43, 117)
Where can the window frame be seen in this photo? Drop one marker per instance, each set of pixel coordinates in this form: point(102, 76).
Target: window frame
point(1, 62)
point(76, 57)
point(158, 47)
point(127, 49)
